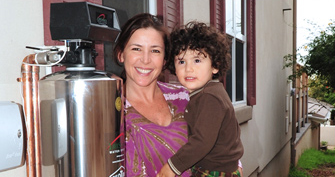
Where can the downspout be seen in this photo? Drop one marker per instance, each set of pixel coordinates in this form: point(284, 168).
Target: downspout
point(294, 100)
point(29, 79)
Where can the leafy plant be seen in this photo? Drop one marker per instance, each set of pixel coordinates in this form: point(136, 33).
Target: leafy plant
point(320, 89)
point(324, 143)
point(318, 63)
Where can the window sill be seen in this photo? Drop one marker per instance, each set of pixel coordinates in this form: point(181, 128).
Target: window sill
point(243, 113)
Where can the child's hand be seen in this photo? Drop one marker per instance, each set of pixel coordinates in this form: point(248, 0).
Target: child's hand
point(166, 172)
point(241, 171)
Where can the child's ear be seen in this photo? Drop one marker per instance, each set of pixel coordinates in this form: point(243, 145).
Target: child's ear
point(215, 71)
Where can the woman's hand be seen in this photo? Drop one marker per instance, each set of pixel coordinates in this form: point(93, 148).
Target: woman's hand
point(166, 172)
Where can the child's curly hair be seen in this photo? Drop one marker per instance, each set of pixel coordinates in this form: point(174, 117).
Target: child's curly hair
point(201, 37)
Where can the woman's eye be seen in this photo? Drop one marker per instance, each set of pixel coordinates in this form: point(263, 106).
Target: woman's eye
point(156, 51)
point(136, 49)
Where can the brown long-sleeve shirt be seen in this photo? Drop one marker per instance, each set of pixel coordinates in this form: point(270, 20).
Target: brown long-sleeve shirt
point(214, 134)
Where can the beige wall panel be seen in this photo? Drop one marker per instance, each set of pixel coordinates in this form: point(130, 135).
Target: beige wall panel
point(196, 10)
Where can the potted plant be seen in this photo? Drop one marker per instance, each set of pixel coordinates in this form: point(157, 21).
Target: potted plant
point(324, 145)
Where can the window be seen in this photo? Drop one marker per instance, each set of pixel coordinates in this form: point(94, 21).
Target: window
point(235, 29)
point(237, 19)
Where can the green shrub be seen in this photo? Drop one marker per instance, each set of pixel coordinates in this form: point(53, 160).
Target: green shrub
point(319, 89)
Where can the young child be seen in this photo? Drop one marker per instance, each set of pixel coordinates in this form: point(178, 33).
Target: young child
point(199, 57)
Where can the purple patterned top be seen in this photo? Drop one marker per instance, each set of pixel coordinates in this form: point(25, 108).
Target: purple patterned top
point(149, 146)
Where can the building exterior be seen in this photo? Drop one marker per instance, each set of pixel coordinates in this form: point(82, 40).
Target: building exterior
point(271, 111)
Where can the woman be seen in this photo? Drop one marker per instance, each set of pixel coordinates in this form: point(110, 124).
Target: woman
point(155, 125)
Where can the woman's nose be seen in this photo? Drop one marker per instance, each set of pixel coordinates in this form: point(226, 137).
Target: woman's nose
point(145, 58)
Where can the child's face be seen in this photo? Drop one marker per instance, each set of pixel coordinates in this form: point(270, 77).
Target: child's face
point(193, 69)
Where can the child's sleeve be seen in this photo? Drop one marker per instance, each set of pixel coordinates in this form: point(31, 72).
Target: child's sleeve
point(204, 135)
point(240, 164)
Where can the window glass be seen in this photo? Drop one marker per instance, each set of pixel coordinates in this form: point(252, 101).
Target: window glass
point(229, 17)
point(229, 84)
point(238, 17)
point(239, 71)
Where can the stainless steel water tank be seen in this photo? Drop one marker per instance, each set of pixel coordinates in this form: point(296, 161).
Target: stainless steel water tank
point(82, 131)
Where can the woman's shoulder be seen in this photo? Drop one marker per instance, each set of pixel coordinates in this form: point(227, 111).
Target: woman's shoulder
point(168, 87)
point(173, 91)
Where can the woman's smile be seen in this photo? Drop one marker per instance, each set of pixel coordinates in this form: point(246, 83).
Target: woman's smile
point(143, 71)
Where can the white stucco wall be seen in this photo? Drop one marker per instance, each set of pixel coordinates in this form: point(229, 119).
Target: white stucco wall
point(274, 40)
point(196, 10)
point(309, 140)
point(21, 25)
point(327, 134)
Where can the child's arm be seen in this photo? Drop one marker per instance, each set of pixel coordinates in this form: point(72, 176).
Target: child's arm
point(205, 133)
point(205, 127)
point(240, 168)
point(166, 171)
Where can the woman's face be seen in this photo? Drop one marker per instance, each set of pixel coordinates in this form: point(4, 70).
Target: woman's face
point(143, 57)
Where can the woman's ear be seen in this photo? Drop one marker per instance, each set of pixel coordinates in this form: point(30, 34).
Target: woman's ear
point(120, 57)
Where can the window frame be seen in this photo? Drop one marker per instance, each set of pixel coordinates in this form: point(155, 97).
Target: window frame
point(218, 19)
point(236, 36)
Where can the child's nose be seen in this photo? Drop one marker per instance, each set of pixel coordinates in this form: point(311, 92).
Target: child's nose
point(189, 68)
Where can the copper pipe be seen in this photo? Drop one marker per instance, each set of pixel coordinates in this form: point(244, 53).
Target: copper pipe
point(35, 89)
point(29, 79)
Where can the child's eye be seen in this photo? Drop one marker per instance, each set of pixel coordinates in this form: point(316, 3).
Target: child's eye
point(197, 60)
point(181, 62)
